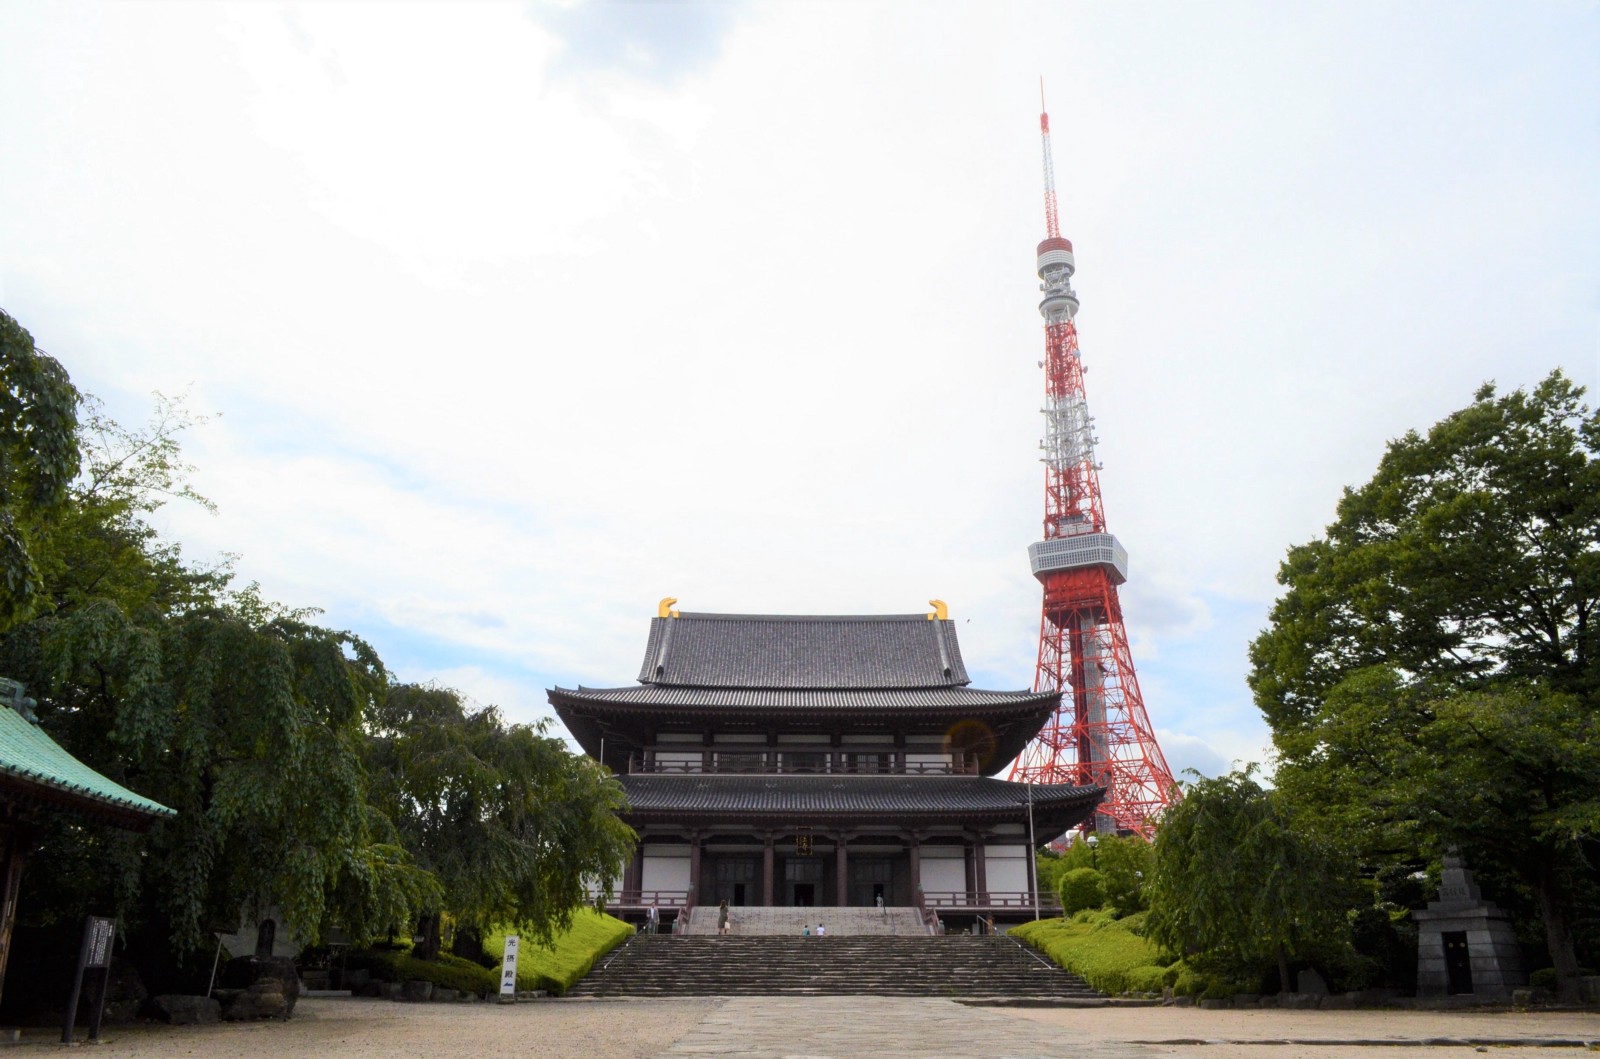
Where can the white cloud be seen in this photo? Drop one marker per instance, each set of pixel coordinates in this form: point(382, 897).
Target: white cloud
point(514, 332)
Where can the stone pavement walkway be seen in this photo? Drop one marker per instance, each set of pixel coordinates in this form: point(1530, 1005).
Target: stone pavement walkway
point(880, 1027)
point(845, 1028)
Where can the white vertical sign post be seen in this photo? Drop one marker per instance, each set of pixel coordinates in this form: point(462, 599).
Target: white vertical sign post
point(508, 971)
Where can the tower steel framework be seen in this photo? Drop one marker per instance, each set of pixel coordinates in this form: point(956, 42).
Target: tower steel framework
point(1101, 733)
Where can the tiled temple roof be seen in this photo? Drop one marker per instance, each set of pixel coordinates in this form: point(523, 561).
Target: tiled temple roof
point(803, 652)
point(34, 767)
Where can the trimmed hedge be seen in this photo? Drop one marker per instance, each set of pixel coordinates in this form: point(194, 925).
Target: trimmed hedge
point(553, 969)
point(1101, 950)
point(570, 956)
point(452, 972)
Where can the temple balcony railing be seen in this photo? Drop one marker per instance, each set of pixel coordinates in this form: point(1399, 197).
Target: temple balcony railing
point(642, 900)
point(960, 764)
point(989, 901)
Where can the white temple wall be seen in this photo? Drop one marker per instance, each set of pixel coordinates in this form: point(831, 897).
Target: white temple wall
point(665, 868)
point(1006, 869)
point(943, 870)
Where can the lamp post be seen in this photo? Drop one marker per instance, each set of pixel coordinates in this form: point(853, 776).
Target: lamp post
point(1094, 851)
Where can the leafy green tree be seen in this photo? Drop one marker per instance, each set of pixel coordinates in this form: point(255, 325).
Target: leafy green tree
point(1237, 878)
point(1472, 555)
point(1125, 863)
point(514, 825)
point(38, 460)
point(1455, 596)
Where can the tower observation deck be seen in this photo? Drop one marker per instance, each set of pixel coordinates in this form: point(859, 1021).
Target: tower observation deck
point(1101, 734)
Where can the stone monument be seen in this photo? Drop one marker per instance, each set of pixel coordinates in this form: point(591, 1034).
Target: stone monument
point(1465, 944)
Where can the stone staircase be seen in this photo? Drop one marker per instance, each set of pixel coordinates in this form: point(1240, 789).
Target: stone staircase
point(841, 922)
point(667, 965)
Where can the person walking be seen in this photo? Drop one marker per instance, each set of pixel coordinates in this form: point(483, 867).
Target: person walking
point(723, 926)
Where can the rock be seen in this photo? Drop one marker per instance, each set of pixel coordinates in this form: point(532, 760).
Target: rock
point(1247, 1000)
point(1215, 1003)
point(1309, 981)
point(1269, 1001)
point(416, 989)
point(390, 990)
point(356, 979)
point(442, 994)
point(1335, 1002)
point(370, 989)
point(1522, 998)
point(1183, 1001)
point(1589, 989)
point(177, 1009)
point(1297, 1001)
point(264, 1000)
point(244, 972)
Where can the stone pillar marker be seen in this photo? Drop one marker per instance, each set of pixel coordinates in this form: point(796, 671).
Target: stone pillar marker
point(1465, 944)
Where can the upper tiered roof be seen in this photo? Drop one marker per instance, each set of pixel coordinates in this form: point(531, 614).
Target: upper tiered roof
point(803, 652)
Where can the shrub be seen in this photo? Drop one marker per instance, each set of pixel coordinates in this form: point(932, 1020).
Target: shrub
point(1099, 949)
point(452, 972)
point(1081, 888)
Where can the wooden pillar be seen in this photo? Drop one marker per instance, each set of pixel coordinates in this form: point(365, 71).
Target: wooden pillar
point(916, 864)
point(14, 847)
point(899, 752)
point(768, 863)
point(633, 877)
point(980, 872)
point(844, 870)
point(694, 867)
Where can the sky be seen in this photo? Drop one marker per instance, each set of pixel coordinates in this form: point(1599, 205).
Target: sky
point(510, 319)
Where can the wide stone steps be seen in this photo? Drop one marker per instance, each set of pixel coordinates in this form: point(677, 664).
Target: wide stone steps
point(793, 921)
point(668, 965)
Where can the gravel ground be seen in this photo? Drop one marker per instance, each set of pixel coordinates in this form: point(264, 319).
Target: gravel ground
point(846, 1028)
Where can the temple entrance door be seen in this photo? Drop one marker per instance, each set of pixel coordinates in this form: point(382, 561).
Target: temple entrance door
point(802, 881)
point(734, 878)
point(870, 878)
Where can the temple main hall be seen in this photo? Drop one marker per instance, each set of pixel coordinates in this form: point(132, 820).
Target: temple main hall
point(785, 760)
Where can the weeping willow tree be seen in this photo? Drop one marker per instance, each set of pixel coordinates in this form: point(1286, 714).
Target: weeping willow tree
point(1239, 882)
point(513, 825)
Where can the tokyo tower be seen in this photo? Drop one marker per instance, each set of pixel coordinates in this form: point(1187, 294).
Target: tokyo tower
point(1101, 733)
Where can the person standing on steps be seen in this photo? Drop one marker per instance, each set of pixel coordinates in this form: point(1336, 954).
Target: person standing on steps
point(822, 931)
point(723, 927)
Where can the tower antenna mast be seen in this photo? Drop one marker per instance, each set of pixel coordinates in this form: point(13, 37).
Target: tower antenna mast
point(1100, 734)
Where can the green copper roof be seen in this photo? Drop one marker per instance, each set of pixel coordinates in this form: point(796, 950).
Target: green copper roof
point(28, 754)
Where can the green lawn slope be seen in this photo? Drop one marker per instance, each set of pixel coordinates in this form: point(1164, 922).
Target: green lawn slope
point(569, 957)
point(1107, 953)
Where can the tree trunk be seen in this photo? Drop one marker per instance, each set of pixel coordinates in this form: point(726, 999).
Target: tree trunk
point(1283, 971)
point(1557, 931)
point(428, 931)
point(468, 945)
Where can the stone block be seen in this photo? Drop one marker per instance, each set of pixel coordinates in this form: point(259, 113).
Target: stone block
point(444, 994)
point(1247, 1000)
point(1309, 981)
point(263, 1000)
point(1215, 1003)
point(416, 990)
point(356, 979)
point(1521, 998)
point(180, 1010)
point(1298, 1001)
point(370, 989)
point(1336, 1002)
point(1589, 989)
point(1183, 1001)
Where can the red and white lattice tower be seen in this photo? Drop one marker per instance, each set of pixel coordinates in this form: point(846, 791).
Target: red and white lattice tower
point(1101, 733)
